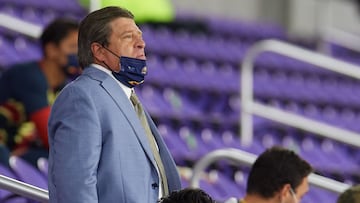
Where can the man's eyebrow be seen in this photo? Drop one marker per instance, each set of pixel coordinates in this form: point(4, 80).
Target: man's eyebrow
point(130, 31)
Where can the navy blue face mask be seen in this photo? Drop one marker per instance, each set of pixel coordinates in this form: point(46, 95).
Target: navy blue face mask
point(132, 71)
point(72, 68)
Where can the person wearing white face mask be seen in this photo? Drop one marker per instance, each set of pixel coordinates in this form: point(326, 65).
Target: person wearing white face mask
point(277, 176)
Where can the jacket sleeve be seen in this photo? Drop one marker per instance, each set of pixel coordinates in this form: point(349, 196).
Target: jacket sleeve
point(75, 147)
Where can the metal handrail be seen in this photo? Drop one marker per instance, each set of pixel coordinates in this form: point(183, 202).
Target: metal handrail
point(24, 189)
point(20, 26)
point(248, 159)
point(250, 107)
point(336, 36)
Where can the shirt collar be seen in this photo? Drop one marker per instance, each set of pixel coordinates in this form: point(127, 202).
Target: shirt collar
point(126, 89)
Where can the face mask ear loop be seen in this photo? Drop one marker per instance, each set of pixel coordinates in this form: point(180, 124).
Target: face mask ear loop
point(107, 66)
point(293, 194)
point(112, 54)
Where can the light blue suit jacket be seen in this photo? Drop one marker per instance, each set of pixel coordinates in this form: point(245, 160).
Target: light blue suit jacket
point(98, 149)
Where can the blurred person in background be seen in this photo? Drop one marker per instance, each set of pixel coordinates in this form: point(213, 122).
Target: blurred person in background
point(4, 155)
point(277, 176)
point(103, 145)
point(351, 195)
point(29, 89)
point(188, 195)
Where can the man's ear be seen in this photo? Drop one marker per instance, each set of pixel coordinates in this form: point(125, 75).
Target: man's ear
point(97, 51)
point(285, 191)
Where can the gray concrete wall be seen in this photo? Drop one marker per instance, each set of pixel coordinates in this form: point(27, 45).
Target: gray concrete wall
point(238, 9)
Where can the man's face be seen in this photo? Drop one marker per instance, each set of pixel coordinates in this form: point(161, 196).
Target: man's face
point(68, 45)
point(125, 40)
point(295, 196)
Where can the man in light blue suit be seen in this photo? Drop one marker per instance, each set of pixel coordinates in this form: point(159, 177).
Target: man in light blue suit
point(103, 148)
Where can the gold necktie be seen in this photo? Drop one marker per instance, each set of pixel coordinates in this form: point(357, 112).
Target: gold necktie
point(140, 113)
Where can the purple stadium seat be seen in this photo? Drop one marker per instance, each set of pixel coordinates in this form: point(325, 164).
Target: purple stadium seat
point(240, 178)
point(9, 56)
point(28, 50)
point(191, 70)
point(27, 173)
point(228, 187)
point(180, 107)
point(339, 155)
point(174, 73)
point(42, 164)
point(211, 139)
point(246, 30)
point(177, 146)
point(65, 5)
point(156, 72)
point(320, 195)
point(269, 139)
point(8, 9)
point(231, 140)
point(193, 149)
point(228, 79)
point(153, 101)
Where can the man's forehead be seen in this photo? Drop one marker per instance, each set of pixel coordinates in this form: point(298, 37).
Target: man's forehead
point(124, 25)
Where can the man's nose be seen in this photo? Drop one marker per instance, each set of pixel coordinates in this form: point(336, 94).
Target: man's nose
point(141, 43)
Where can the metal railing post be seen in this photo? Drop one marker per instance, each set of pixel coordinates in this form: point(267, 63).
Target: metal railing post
point(24, 189)
point(249, 107)
point(20, 26)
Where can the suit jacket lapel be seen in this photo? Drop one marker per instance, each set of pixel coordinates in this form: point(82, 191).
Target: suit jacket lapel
point(119, 97)
point(169, 164)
